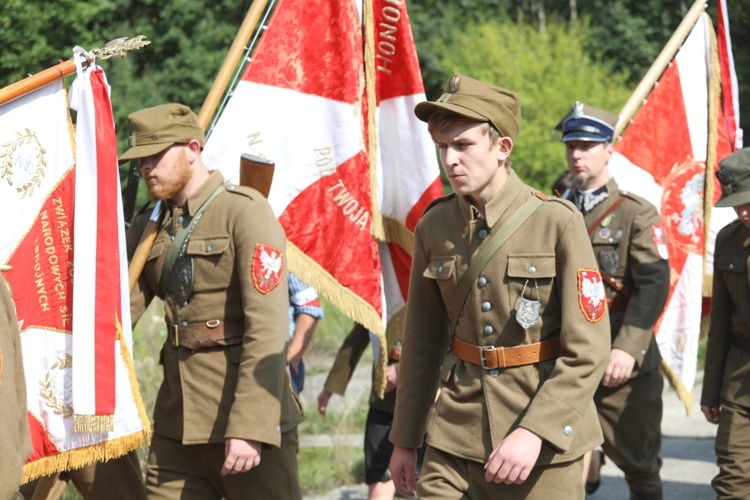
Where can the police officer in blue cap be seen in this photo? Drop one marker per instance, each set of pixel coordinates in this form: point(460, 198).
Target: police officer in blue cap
point(631, 251)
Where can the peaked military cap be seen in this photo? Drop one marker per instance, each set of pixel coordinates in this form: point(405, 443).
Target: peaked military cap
point(587, 123)
point(152, 130)
point(478, 101)
point(734, 176)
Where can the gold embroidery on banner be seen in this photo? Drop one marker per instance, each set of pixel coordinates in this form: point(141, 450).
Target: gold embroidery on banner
point(94, 423)
point(26, 152)
point(47, 392)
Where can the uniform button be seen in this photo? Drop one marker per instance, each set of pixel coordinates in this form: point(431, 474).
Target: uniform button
point(482, 281)
point(532, 270)
point(278, 429)
point(568, 430)
point(494, 373)
point(209, 248)
point(183, 323)
point(230, 187)
point(440, 269)
point(486, 306)
point(184, 304)
point(643, 353)
point(482, 234)
point(488, 330)
point(179, 219)
point(731, 266)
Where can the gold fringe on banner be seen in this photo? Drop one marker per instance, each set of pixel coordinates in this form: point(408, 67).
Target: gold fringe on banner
point(397, 233)
point(368, 22)
point(714, 93)
point(77, 458)
point(106, 450)
point(674, 380)
point(343, 299)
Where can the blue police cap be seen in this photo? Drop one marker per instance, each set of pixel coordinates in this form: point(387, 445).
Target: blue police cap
point(587, 123)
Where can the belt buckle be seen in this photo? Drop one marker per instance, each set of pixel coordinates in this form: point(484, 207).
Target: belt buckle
point(483, 358)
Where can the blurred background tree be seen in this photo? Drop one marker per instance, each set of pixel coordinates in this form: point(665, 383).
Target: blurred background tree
point(550, 52)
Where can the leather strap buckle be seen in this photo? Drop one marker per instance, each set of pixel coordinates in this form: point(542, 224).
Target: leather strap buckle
point(483, 356)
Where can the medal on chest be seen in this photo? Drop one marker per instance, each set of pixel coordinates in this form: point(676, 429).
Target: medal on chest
point(181, 279)
point(527, 311)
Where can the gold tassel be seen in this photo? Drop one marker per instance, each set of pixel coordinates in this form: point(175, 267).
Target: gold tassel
point(714, 93)
point(674, 380)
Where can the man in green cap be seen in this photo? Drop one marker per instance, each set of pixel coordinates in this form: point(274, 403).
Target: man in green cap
point(225, 416)
point(506, 326)
point(725, 399)
point(631, 252)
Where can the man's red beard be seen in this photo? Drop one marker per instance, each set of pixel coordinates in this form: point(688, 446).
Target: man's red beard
point(181, 176)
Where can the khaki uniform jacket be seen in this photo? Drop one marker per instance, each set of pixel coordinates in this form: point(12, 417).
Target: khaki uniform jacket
point(346, 362)
point(476, 408)
point(241, 391)
point(15, 442)
point(625, 248)
point(727, 370)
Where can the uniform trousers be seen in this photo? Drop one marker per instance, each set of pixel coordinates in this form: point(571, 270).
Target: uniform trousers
point(445, 476)
point(177, 471)
point(116, 479)
point(733, 453)
point(630, 416)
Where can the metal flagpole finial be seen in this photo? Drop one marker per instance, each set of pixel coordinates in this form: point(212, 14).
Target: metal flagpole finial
point(119, 47)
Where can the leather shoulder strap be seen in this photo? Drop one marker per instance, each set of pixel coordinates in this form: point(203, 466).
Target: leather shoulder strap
point(611, 209)
point(488, 251)
point(179, 239)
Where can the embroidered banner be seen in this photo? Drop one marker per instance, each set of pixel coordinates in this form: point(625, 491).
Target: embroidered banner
point(37, 186)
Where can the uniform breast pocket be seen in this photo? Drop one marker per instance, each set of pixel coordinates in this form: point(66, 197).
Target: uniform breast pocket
point(732, 268)
point(530, 276)
point(211, 259)
point(443, 271)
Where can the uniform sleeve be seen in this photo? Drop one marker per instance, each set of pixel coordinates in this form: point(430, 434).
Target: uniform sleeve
point(423, 350)
point(649, 289)
point(347, 359)
point(14, 438)
point(141, 295)
point(718, 335)
point(256, 411)
point(556, 410)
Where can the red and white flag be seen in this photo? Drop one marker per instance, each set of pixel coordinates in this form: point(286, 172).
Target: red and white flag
point(662, 156)
point(729, 86)
point(302, 102)
point(82, 396)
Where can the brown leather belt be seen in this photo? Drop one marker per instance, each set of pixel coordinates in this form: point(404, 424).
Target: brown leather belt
point(489, 357)
point(212, 333)
point(617, 305)
point(741, 343)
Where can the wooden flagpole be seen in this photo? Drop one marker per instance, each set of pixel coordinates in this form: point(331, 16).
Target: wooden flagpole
point(230, 62)
point(36, 81)
point(659, 65)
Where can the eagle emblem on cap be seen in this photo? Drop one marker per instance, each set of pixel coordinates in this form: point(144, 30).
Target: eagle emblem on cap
point(452, 87)
point(577, 110)
point(725, 177)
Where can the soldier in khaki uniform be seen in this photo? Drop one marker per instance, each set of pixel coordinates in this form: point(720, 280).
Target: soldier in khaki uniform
point(510, 342)
point(15, 443)
point(726, 400)
point(631, 252)
point(225, 415)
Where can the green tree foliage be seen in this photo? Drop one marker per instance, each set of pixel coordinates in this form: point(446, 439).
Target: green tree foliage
point(549, 72)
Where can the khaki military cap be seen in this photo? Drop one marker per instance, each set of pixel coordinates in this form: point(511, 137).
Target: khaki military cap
point(587, 123)
point(479, 101)
point(734, 176)
point(152, 130)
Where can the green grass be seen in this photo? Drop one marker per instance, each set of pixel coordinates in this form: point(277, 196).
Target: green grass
point(323, 469)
